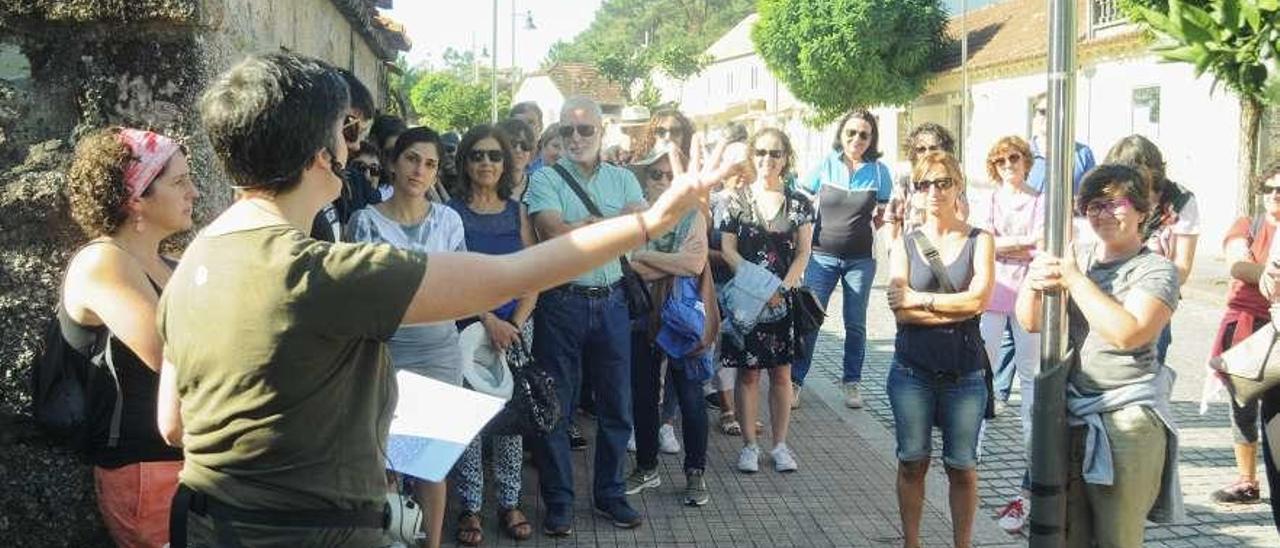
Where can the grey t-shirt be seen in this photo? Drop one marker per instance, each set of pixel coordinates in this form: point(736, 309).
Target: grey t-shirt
point(1102, 365)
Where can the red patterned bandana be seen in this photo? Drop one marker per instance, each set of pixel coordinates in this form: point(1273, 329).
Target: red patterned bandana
point(151, 152)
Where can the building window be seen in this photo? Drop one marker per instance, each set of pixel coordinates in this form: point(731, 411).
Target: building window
point(1146, 111)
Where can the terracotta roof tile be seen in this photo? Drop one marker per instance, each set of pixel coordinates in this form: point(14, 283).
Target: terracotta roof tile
point(1011, 31)
point(583, 79)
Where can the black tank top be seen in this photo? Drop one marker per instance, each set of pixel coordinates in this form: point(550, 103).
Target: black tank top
point(140, 439)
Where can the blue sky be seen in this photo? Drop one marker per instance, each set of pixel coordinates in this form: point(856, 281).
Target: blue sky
point(434, 26)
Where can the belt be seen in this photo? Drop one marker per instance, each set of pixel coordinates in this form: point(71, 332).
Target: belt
point(187, 500)
point(589, 291)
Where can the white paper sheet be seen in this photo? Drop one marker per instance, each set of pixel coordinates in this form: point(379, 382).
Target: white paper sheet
point(433, 424)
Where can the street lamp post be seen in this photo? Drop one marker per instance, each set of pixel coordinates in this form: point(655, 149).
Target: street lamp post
point(493, 76)
point(1049, 421)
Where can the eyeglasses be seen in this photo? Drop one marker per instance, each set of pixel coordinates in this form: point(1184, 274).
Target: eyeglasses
point(943, 183)
point(354, 130)
point(478, 155)
point(920, 149)
point(370, 170)
point(775, 154)
point(1114, 207)
point(1012, 159)
point(662, 132)
point(656, 175)
point(584, 130)
point(851, 133)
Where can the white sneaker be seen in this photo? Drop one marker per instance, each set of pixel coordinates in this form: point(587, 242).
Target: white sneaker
point(783, 460)
point(1014, 515)
point(749, 459)
point(631, 442)
point(795, 395)
point(667, 442)
point(852, 396)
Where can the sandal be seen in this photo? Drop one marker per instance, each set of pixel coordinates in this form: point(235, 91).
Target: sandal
point(469, 532)
point(515, 524)
point(729, 425)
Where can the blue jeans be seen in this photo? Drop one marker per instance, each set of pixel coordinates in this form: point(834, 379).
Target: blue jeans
point(573, 332)
point(856, 275)
point(1162, 344)
point(1004, 368)
point(921, 400)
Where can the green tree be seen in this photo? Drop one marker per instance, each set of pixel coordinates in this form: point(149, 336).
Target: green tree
point(839, 54)
point(445, 101)
point(629, 38)
point(1236, 41)
point(400, 83)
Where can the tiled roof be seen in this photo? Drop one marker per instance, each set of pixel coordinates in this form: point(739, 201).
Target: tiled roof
point(363, 15)
point(1014, 30)
point(583, 79)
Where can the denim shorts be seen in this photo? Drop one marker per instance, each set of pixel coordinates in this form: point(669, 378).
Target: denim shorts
point(955, 404)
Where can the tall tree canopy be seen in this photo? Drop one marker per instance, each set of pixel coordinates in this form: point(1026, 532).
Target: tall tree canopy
point(836, 55)
point(629, 38)
point(1235, 41)
point(446, 101)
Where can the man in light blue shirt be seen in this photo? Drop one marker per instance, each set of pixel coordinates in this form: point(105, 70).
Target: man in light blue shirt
point(584, 324)
point(1039, 171)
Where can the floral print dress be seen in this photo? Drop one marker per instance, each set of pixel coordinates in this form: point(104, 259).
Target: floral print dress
point(772, 244)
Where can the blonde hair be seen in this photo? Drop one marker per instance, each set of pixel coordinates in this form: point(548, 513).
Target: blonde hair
point(935, 159)
point(1003, 146)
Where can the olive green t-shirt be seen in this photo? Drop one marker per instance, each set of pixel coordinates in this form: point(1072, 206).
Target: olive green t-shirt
point(286, 387)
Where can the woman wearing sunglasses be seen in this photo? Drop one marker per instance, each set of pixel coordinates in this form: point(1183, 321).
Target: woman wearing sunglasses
point(771, 226)
point(851, 187)
point(940, 278)
point(1014, 215)
point(495, 224)
point(669, 129)
point(410, 221)
point(1121, 295)
point(681, 253)
point(523, 140)
point(1247, 246)
point(903, 214)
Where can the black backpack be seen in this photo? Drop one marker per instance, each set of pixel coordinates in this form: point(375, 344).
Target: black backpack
point(76, 399)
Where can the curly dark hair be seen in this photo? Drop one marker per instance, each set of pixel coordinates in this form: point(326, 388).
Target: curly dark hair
point(97, 192)
point(648, 139)
point(945, 141)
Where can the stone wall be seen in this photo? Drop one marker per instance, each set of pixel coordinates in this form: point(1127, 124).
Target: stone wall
point(71, 66)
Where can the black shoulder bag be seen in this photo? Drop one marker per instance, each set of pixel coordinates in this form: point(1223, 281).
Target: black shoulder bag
point(534, 407)
point(639, 300)
point(944, 282)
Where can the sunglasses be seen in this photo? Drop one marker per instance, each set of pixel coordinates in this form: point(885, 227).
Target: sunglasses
point(656, 175)
point(1042, 111)
point(775, 154)
point(521, 146)
point(1114, 207)
point(584, 130)
point(477, 155)
point(1265, 190)
point(851, 133)
point(923, 149)
point(370, 170)
point(354, 130)
point(662, 132)
point(1012, 159)
point(944, 183)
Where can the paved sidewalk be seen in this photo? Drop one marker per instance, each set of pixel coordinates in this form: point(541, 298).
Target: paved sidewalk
point(843, 494)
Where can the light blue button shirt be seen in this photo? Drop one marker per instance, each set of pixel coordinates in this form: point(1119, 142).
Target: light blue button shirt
point(612, 188)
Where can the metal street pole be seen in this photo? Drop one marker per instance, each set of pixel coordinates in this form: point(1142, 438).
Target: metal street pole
point(1049, 434)
point(493, 77)
point(964, 69)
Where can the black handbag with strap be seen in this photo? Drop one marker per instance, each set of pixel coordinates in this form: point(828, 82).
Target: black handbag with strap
point(639, 300)
point(534, 407)
point(969, 327)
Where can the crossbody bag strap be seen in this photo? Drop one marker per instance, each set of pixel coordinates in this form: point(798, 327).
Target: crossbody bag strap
point(586, 202)
point(935, 261)
point(117, 410)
